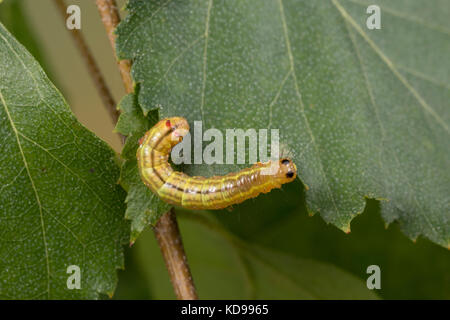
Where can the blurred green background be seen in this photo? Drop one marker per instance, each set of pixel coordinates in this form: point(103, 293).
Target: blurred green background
point(39, 26)
point(294, 251)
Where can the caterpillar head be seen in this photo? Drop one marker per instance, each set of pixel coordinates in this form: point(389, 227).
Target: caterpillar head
point(287, 171)
point(177, 127)
point(282, 170)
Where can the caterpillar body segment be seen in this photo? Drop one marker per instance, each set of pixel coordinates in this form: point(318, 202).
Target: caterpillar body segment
point(197, 192)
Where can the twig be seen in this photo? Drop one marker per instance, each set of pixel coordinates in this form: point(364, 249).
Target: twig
point(166, 230)
point(94, 70)
point(110, 18)
point(168, 235)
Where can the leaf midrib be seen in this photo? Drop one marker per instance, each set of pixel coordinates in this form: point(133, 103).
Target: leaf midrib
point(302, 108)
point(380, 124)
point(16, 133)
point(390, 64)
point(397, 14)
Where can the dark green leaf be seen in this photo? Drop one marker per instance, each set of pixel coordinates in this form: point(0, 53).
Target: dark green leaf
point(60, 203)
point(408, 270)
point(143, 207)
point(224, 267)
point(365, 113)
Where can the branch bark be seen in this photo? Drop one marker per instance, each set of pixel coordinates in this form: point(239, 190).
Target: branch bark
point(166, 230)
point(169, 239)
point(110, 18)
point(94, 70)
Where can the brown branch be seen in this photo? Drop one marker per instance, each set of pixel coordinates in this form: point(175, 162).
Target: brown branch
point(94, 71)
point(110, 18)
point(166, 230)
point(169, 239)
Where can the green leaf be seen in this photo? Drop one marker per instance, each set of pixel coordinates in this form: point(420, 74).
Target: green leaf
point(365, 113)
point(225, 267)
point(60, 204)
point(278, 222)
point(143, 206)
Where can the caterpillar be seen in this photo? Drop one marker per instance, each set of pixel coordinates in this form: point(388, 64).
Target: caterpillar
point(177, 188)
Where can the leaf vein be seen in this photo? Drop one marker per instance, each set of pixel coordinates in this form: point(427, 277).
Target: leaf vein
point(391, 66)
point(383, 130)
point(302, 108)
point(16, 133)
